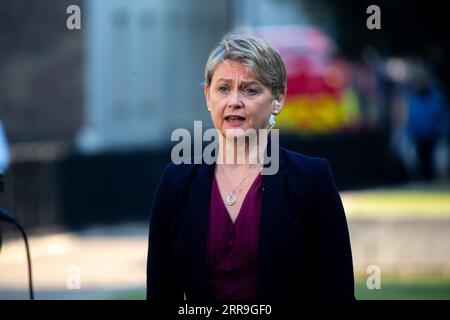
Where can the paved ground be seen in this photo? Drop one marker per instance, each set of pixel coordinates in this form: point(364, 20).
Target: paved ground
point(108, 262)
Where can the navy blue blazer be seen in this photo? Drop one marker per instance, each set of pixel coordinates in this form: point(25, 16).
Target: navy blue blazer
point(304, 247)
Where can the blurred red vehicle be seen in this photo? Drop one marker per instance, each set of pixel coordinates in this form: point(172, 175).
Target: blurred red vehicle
point(321, 95)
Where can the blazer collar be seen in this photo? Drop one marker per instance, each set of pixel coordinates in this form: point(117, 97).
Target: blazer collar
point(198, 213)
point(207, 168)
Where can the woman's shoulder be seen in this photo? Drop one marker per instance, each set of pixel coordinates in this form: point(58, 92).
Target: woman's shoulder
point(310, 169)
point(300, 161)
point(176, 171)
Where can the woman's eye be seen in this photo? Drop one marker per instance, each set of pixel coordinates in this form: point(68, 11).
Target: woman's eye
point(250, 91)
point(223, 89)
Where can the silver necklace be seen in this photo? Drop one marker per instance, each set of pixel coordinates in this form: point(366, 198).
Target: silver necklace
point(231, 199)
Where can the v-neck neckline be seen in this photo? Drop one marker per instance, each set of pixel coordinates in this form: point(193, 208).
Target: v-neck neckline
point(224, 206)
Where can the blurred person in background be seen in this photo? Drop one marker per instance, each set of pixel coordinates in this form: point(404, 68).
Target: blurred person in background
point(4, 151)
point(427, 123)
point(227, 232)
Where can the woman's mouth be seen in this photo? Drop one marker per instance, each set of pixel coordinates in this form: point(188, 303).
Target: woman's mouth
point(234, 120)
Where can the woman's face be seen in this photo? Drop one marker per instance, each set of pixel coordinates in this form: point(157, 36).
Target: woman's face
point(237, 100)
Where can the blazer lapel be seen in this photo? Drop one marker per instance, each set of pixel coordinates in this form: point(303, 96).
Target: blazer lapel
point(199, 202)
point(268, 227)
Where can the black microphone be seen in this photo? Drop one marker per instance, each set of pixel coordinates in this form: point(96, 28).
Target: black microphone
point(6, 216)
point(2, 184)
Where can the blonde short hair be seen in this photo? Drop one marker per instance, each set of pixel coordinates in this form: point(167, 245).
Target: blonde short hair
point(257, 54)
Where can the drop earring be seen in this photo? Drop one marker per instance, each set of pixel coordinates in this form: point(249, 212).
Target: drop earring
point(271, 122)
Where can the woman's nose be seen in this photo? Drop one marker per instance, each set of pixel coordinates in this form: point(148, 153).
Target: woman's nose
point(235, 100)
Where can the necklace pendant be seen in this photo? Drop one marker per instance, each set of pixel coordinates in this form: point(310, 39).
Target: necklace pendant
point(231, 199)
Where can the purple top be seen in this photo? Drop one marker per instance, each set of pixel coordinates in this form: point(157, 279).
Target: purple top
point(232, 247)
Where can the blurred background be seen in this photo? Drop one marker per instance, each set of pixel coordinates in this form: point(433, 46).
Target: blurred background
point(86, 117)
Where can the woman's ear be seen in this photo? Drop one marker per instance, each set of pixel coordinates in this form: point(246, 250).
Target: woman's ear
point(206, 91)
point(279, 102)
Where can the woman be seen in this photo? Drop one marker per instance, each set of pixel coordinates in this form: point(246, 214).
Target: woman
point(226, 231)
